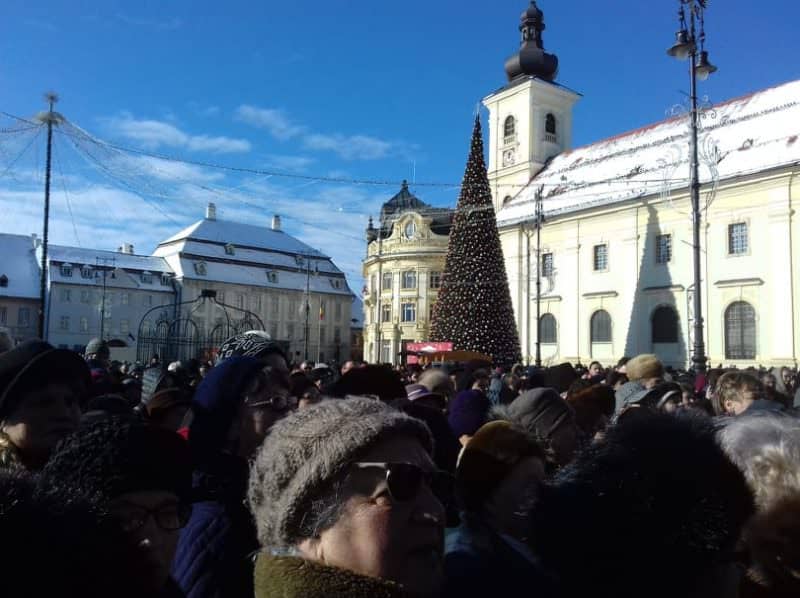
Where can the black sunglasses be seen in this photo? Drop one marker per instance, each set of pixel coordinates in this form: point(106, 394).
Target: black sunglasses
point(168, 518)
point(405, 480)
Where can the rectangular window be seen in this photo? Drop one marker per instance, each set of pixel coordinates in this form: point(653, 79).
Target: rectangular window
point(663, 249)
point(372, 283)
point(165, 280)
point(84, 324)
point(321, 336)
point(256, 303)
point(436, 280)
point(147, 278)
point(240, 301)
point(273, 330)
point(64, 323)
point(409, 279)
point(109, 299)
point(66, 295)
point(337, 335)
point(147, 300)
point(386, 313)
point(409, 312)
point(220, 296)
point(386, 351)
point(738, 243)
point(290, 330)
point(337, 312)
point(275, 306)
point(66, 270)
point(386, 284)
point(547, 265)
point(24, 317)
point(124, 326)
point(600, 257)
point(86, 296)
point(3, 314)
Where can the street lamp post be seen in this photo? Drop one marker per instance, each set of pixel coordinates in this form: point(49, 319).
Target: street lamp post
point(690, 43)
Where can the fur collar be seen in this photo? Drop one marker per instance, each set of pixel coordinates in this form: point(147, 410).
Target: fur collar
point(294, 577)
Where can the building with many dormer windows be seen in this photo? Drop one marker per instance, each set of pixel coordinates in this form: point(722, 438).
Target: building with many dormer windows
point(403, 272)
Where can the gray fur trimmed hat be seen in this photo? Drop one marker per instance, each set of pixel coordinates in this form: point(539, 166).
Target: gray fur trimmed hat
point(310, 448)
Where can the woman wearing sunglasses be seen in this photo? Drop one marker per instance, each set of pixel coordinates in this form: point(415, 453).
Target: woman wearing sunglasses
point(344, 495)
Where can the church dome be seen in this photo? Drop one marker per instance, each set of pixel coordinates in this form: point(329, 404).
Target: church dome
point(532, 59)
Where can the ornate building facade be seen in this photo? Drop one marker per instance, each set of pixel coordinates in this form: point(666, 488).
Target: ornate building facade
point(616, 246)
point(403, 273)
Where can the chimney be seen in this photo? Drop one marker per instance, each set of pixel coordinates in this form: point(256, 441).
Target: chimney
point(36, 241)
point(211, 211)
point(276, 222)
point(126, 248)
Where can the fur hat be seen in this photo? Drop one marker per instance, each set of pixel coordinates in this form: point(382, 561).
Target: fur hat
point(661, 499)
point(629, 393)
point(643, 367)
point(307, 450)
point(112, 456)
point(371, 380)
point(469, 410)
point(488, 458)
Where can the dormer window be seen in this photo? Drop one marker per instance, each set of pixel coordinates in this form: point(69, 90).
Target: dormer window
point(336, 283)
point(66, 270)
point(229, 249)
point(298, 259)
point(146, 277)
point(272, 276)
point(550, 130)
point(165, 280)
point(3, 281)
point(410, 229)
point(86, 272)
point(200, 269)
point(510, 130)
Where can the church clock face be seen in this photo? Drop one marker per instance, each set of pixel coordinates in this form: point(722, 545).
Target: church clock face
point(509, 157)
point(410, 229)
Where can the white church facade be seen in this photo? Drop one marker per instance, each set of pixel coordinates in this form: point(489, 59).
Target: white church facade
point(616, 245)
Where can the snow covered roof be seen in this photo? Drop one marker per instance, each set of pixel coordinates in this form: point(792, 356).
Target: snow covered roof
point(741, 136)
point(244, 235)
point(78, 256)
point(19, 265)
point(255, 256)
point(261, 276)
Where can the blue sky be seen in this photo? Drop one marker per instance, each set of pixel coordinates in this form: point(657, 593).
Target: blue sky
point(355, 90)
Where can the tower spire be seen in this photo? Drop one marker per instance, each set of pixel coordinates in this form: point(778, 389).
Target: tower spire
point(531, 58)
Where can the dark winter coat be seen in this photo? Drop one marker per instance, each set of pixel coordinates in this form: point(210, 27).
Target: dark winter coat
point(293, 577)
point(479, 562)
point(214, 548)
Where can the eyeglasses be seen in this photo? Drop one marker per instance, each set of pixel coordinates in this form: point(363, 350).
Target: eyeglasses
point(168, 517)
point(276, 403)
point(405, 480)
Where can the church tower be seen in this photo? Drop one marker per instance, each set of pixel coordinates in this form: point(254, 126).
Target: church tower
point(530, 118)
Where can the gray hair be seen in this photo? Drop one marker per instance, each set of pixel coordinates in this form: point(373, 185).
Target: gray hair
point(435, 380)
point(767, 450)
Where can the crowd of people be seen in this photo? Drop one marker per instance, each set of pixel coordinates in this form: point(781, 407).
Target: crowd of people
point(256, 476)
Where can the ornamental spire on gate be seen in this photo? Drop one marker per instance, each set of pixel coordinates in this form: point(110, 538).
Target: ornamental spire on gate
point(474, 310)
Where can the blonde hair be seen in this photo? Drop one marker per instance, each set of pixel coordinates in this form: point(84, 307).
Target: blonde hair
point(767, 449)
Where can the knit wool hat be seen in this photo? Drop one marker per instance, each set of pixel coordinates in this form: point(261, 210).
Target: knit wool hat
point(488, 458)
point(468, 412)
point(97, 346)
point(643, 367)
point(307, 450)
point(253, 343)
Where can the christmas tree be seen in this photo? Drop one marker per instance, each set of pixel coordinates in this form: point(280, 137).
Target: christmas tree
point(474, 310)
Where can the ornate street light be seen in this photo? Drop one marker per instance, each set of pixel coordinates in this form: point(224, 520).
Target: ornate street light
point(690, 43)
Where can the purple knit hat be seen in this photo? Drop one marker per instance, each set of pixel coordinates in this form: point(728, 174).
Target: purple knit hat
point(468, 412)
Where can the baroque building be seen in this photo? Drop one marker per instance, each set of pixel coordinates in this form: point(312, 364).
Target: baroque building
point(616, 245)
point(403, 272)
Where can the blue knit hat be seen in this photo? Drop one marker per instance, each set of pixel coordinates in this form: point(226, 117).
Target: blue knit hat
point(468, 412)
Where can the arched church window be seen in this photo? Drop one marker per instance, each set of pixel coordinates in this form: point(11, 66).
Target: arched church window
point(550, 126)
point(509, 129)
